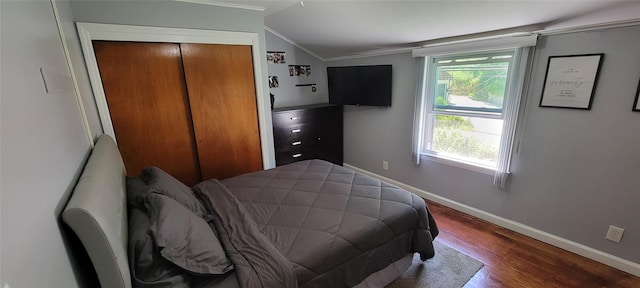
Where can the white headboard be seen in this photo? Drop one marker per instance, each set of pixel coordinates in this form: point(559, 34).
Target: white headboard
point(97, 213)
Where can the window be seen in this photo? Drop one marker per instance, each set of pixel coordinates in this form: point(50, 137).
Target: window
point(466, 103)
point(468, 106)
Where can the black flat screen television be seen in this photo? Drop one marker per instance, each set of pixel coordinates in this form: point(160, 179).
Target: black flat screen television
point(360, 85)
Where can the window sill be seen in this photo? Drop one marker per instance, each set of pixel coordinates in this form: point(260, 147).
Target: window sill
point(459, 163)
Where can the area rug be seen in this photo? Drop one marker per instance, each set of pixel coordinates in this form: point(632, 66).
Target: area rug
point(448, 269)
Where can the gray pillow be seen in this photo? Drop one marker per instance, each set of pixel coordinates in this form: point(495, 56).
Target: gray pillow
point(171, 187)
point(184, 238)
point(145, 261)
point(136, 192)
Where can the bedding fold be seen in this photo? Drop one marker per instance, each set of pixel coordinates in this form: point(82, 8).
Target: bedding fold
point(257, 261)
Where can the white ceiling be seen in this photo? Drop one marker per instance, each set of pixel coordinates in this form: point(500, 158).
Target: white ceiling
point(332, 29)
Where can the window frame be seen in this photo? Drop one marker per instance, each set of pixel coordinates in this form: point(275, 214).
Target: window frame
point(512, 93)
point(486, 54)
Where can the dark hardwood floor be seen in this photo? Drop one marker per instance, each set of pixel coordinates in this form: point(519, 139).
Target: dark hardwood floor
point(514, 260)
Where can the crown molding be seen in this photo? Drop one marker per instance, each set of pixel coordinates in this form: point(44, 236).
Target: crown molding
point(225, 4)
point(374, 53)
point(588, 27)
point(274, 32)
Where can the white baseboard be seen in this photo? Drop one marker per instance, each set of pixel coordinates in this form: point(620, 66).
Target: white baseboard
point(577, 248)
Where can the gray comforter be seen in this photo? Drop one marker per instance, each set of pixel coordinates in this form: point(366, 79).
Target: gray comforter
point(329, 224)
point(257, 261)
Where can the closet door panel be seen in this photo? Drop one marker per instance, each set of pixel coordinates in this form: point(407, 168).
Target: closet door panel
point(147, 98)
point(222, 95)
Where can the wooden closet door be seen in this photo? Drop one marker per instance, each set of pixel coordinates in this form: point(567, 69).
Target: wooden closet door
point(147, 98)
point(222, 96)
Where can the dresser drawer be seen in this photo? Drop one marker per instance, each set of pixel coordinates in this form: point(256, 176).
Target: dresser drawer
point(291, 133)
point(291, 117)
point(297, 144)
point(305, 153)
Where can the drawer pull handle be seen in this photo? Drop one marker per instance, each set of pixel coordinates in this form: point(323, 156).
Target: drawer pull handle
point(295, 131)
point(296, 155)
point(296, 143)
point(295, 118)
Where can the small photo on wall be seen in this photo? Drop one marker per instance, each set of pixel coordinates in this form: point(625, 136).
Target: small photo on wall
point(273, 82)
point(275, 57)
point(299, 70)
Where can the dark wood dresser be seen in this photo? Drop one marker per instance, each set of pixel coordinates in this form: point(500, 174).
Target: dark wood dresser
point(308, 132)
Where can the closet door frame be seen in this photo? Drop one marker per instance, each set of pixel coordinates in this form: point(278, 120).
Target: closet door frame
point(113, 32)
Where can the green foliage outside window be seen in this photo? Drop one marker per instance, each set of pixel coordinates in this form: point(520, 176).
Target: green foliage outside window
point(451, 140)
point(491, 86)
point(448, 137)
point(455, 122)
point(462, 82)
point(483, 82)
point(441, 101)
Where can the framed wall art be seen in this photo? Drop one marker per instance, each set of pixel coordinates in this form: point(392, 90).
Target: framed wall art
point(570, 81)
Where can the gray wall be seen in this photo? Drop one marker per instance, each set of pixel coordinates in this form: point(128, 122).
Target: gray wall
point(79, 68)
point(576, 171)
point(287, 94)
point(44, 144)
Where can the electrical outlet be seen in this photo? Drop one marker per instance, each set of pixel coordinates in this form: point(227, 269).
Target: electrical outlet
point(614, 234)
point(385, 165)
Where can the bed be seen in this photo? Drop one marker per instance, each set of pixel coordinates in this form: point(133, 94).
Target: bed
point(306, 224)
